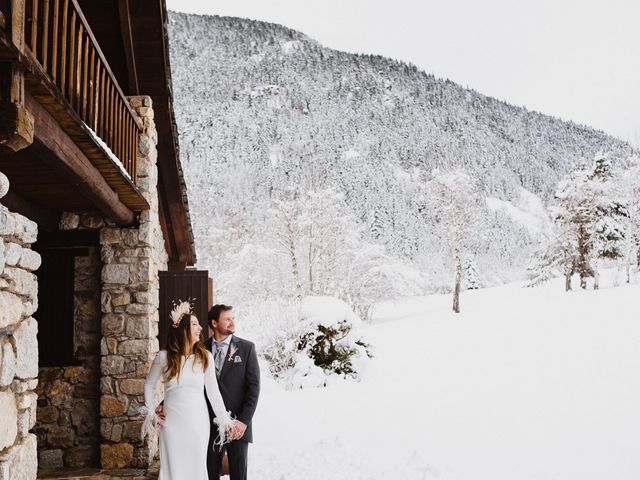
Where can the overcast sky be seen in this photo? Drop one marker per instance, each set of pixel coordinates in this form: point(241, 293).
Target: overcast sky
point(578, 60)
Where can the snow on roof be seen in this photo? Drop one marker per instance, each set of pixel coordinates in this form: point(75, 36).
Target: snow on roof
point(112, 156)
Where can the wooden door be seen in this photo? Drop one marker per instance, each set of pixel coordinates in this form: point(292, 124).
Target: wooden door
point(189, 284)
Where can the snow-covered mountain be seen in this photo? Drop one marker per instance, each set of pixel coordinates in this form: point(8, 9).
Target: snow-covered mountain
point(261, 108)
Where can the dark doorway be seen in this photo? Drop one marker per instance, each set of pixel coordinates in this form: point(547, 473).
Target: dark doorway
point(68, 315)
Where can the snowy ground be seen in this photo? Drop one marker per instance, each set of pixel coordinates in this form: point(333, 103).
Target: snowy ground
point(523, 384)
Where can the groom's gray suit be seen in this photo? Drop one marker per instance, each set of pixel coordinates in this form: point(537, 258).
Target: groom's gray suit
point(239, 383)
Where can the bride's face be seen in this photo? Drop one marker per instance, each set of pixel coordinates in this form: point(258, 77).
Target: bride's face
point(195, 330)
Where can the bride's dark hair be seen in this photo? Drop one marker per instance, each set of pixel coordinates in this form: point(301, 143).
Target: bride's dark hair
point(178, 340)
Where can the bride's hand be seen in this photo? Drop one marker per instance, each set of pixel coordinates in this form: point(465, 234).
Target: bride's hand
point(159, 418)
point(238, 430)
point(158, 421)
point(230, 431)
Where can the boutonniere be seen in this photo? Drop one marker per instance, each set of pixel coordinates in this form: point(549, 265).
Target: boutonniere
point(232, 350)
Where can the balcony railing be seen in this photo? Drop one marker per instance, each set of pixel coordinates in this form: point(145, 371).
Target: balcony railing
point(58, 35)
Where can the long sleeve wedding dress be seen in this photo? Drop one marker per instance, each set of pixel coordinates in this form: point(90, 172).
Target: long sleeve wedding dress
point(184, 438)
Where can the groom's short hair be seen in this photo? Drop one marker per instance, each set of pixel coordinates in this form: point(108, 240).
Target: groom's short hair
point(216, 310)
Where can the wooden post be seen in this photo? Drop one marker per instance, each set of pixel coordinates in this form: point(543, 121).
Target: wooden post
point(16, 126)
point(18, 8)
point(16, 123)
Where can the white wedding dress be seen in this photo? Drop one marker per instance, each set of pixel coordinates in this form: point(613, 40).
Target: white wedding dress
point(185, 436)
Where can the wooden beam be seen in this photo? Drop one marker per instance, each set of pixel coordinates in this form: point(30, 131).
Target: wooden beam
point(165, 226)
point(18, 8)
point(127, 43)
point(16, 123)
point(173, 210)
point(59, 151)
point(16, 126)
point(46, 219)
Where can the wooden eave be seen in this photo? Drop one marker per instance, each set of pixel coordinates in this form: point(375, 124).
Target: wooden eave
point(138, 41)
point(151, 50)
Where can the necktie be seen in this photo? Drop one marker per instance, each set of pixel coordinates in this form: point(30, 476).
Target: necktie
point(218, 358)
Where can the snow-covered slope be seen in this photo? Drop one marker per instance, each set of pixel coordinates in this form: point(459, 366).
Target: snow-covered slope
point(260, 107)
point(524, 384)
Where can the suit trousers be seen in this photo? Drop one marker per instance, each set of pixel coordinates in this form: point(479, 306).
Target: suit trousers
point(237, 452)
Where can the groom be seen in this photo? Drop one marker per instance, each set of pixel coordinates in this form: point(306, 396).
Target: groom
point(238, 374)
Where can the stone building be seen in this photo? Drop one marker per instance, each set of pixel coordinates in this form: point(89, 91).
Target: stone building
point(94, 230)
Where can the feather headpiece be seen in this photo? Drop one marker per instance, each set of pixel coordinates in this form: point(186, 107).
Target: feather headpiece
point(179, 310)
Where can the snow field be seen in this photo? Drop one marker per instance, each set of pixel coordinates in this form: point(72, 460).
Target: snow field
point(523, 384)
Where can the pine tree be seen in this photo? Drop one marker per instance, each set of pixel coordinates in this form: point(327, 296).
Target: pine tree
point(470, 276)
point(608, 227)
point(590, 224)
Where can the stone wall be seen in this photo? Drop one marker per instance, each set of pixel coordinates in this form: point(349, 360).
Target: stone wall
point(132, 258)
point(69, 397)
point(18, 343)
point(87, 413)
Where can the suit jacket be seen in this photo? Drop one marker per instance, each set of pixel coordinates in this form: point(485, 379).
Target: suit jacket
point(239, 382)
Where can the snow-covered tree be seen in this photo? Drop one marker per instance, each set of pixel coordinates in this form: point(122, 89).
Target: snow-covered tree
point(610, 225)
point(322, 246)
point(590, 219)
point(470, 276)
point(289, 233)
point(557, 255)
point(603, 220)
point(573, 214)
point(314, 230)
point(374, 276)
point(456, 201)
point(630, 190)
point(333, 235)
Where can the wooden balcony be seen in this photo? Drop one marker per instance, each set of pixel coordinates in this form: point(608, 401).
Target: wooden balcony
point(68, 84)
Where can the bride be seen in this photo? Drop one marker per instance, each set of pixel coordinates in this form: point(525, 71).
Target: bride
point(187, 370)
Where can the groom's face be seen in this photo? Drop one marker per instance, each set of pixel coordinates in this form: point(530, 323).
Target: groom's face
point(226, 324)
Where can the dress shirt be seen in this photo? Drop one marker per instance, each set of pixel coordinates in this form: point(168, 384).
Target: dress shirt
point(225, 346)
